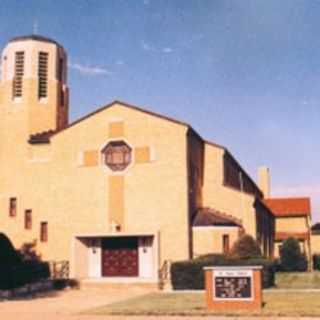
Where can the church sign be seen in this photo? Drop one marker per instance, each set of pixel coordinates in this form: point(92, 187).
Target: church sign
point(235, 287)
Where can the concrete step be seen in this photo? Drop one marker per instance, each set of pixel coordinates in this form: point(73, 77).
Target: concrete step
point(96, 284)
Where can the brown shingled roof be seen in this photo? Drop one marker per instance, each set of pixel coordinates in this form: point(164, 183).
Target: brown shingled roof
point(212, 217)
point(41, 137)
point(289, 207)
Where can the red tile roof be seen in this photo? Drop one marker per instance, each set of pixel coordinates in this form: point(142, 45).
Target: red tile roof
point(285, 235)
point(289, 207)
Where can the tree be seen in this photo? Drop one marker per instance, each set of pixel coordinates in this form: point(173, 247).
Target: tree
point(246, 247)
point(291, 258)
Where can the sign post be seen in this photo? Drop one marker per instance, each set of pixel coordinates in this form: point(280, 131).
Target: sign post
point(233, 288)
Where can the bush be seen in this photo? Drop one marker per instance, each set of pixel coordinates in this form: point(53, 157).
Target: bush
point(316, 261)
point(246, 247)
point(26, 272)
point(19, 268)
point(189, 275)
point(8, 255)
point(291, 258)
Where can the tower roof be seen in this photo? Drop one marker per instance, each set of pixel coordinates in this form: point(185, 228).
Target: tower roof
point(35, 37)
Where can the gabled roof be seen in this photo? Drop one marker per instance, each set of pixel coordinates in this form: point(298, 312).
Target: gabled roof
point(289, 207)
point(130, 106)
point(44, 137)
point(40, 135)
point(211, 217)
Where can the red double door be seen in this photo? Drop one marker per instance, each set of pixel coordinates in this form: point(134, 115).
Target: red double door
point(120, 257)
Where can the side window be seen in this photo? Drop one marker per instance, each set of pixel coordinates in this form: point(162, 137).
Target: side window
point(225, 243)
point(13, 207)
point(44, 231)
point(28, 219)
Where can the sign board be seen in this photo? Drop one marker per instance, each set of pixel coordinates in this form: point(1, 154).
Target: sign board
point(234, 287)
point(232, 284)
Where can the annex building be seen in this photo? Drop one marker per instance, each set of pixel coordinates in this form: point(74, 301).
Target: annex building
point(121, 191)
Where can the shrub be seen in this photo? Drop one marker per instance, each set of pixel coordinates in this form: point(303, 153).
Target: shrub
point(246, 247)
point(316, 261)
point(189, 275)
point(8, 255)
point(28, 252)
point(61, 284)
point(19, 268)
point(23, 273)
point(291, 258)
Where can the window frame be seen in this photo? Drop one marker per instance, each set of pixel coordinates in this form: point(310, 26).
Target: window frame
point(225, 243)
point(43, 70)
point(19, 66)
point(28, 219)
point(43, 231)
point(118, 159)
point(13, 207)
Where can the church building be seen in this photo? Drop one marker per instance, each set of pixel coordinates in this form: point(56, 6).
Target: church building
point(121, 192)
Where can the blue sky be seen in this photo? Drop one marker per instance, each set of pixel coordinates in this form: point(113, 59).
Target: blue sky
point(243, 73)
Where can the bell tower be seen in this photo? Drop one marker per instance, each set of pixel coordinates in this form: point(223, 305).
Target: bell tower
point(33, 87)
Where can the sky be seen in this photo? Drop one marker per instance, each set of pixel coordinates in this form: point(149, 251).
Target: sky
point(243, 73)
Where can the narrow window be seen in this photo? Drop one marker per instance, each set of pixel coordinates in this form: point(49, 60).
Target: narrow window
point(28, 219)
point(61, 98)
point(13, 207)
point(44, 231)
point(225, 243)
point(43, 75)
point(18, 74)
point(60, 70)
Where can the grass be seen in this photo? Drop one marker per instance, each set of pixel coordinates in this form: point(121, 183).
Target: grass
point(170, 304)
point(298, 280)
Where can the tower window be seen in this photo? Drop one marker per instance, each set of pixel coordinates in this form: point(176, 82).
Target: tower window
point(44, 231)
point(18, 74)
point(13, 207)
point(43, 75)
point(28, 219)
point(60, 69)
point(61, 98)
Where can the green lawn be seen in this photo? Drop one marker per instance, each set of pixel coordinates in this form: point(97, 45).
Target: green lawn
point(275, 304)
point(298, 280)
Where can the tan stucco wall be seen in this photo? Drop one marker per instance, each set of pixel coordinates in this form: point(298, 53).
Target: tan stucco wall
point(292, 224)
point(222, 198)
point(73, 198)
point(207, 240)
point(66, 184)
